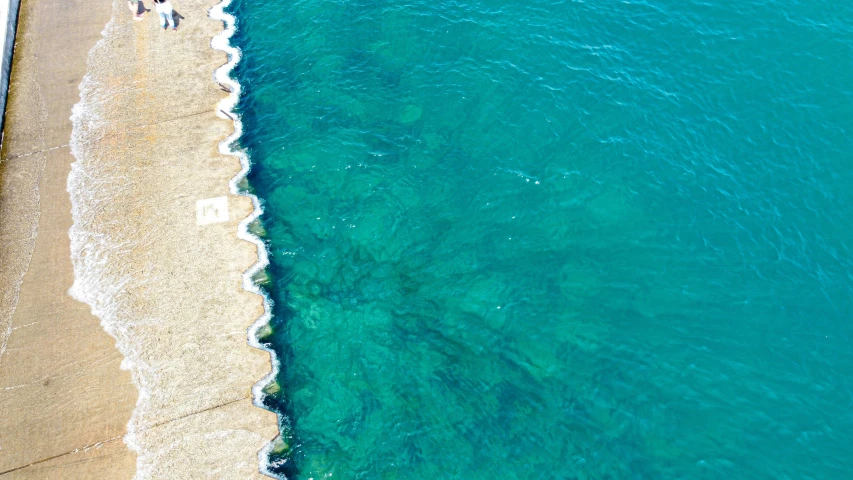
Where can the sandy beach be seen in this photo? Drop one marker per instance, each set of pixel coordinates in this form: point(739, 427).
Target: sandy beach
point(161, 272)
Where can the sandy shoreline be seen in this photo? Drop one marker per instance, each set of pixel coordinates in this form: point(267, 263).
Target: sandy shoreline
point(167, 287)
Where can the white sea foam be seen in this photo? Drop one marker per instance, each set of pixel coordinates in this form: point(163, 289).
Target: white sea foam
point(222, 42)
point(91, 251)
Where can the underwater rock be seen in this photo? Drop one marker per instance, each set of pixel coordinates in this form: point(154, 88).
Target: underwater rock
point(243, 185)
point(262, 278)
point(615, 206)
point(304, 271)
point(264, 333)
point(327, 66)
point(280, 447)
point(257, 228)
point(411, 114)
point(272, 388)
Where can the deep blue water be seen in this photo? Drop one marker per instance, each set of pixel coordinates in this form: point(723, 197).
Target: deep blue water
point(556, 240)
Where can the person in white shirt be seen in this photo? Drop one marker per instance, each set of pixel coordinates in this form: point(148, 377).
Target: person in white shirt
point(164, 8)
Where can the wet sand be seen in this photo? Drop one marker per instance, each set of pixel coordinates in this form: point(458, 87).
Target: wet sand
point(166, 289)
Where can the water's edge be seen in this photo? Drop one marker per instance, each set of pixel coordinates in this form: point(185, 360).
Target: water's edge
point(83, 288)
point(225, 109)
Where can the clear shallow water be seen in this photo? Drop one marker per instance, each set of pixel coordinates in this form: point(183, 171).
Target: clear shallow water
point(556, 239)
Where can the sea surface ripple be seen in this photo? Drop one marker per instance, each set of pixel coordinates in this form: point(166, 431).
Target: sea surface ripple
point(555, 239)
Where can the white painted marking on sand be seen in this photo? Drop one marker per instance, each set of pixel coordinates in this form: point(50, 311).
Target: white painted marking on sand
point(211, 210)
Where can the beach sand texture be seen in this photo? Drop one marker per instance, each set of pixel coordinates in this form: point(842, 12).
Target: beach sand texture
point(167, 289)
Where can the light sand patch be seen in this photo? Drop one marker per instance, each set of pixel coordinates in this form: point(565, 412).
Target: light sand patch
point(146, 138)
point(211, 210)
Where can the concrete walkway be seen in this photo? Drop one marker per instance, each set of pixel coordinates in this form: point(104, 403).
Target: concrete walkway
point(61, 388)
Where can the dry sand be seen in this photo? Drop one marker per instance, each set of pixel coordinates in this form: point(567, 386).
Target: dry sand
point(167, 289)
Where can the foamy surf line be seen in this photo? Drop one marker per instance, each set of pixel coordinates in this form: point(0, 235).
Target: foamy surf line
point(225, 109)
point(90, 251)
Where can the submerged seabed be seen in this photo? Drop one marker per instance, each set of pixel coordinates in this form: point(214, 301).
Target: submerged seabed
point(555, 240)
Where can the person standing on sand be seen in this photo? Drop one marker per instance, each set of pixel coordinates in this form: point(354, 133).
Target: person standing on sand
point(164, 8)
point(133, 5)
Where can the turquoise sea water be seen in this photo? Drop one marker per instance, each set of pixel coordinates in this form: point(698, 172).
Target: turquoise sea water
point(556, 240)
